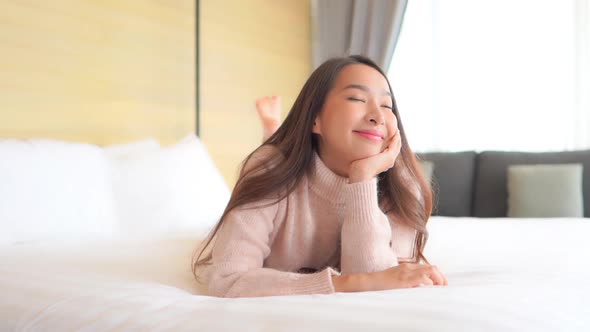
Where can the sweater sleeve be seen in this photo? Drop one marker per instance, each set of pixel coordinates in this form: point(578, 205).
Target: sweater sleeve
point(238, 256)
point(367, 244)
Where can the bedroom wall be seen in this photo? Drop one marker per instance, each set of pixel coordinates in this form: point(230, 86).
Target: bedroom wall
point(248, 49)
point(97, 71)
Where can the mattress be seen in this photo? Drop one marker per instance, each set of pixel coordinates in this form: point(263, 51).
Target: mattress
point(504, 275)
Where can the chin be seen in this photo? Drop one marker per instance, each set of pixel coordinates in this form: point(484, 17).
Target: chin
point(364, 153)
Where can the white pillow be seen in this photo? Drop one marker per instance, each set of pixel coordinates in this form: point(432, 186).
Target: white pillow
point(174, 188)
point(54, 190)
point(132, 148)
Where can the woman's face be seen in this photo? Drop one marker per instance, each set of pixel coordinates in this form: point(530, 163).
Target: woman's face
point(356, 120)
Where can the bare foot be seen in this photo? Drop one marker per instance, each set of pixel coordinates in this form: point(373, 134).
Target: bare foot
point(269, 111)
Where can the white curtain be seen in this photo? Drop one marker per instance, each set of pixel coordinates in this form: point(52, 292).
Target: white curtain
point(367, 27)
point(494, 75)
point(582, 65)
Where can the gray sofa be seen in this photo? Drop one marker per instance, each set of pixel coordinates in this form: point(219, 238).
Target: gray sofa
point(473, 184)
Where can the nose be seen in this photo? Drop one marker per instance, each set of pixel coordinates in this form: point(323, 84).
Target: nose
point(376, 116)
point(376, 121)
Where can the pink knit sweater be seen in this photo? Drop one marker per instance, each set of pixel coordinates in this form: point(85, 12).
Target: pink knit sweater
point(325, 223)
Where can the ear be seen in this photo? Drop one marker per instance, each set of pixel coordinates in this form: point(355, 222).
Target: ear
point(317, 128)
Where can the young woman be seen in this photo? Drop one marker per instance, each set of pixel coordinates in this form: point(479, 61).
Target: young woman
point(333, 201)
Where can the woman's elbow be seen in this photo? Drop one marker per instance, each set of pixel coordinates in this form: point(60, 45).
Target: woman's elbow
point(221, 284)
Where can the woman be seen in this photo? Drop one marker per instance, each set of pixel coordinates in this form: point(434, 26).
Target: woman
point(332, 201)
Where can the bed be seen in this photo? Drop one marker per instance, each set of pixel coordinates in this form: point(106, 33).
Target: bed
point(504, 275)
point(116, 257)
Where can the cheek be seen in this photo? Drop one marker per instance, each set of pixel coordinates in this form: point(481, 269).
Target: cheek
point(336, 122)
point(347, 118)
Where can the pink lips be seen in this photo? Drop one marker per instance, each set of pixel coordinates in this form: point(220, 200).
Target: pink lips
point(372, 135)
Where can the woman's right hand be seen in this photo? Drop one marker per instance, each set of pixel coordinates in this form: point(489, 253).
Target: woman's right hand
point(366, 168)
point(405, 275)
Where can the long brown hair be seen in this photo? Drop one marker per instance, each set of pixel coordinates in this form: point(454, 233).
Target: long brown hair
point(403, 189)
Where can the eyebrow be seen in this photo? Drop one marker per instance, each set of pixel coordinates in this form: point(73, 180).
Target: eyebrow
point(363, 88)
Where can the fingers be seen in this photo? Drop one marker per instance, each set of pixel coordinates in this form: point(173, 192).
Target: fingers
point(392, 151)
point(426, 275)
point(446, 280)
point(425, 281)
point(397, 142)
point(434, 274)
point(391, 124)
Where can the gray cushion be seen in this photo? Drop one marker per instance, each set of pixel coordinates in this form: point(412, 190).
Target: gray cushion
point(452, 182)
point(491, 196)
point(545, 191)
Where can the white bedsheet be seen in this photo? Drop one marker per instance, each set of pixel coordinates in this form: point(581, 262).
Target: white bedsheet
point(504, 275)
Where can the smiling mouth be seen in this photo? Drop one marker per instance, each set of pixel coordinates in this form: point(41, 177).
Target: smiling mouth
point(370, 136)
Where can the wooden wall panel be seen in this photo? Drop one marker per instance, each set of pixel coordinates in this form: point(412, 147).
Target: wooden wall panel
point(248, 49)
point(97, 71)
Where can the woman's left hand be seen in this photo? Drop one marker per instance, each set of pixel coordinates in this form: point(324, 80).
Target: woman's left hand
point(367, 168)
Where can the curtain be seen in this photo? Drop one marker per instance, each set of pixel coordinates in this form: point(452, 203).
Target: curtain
point(345, 27)
point(502, 75)
point(582, 65)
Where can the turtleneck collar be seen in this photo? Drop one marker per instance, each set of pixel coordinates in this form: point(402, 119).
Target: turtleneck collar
point(327, 183)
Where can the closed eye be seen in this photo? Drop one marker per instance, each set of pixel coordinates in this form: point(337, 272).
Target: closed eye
point(387, 106)
point(355, 99)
